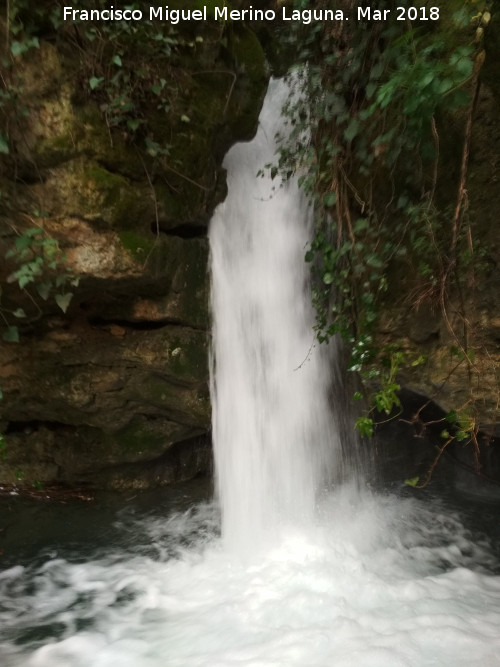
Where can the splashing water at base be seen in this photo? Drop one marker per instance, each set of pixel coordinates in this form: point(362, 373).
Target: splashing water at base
point(350, 580)
point(374, 582)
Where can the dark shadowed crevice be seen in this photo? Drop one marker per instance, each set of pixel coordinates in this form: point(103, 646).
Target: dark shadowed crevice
point(184, 231)
point(183, 460)
point(412, 444)
point(143, 325)
point(30, 426)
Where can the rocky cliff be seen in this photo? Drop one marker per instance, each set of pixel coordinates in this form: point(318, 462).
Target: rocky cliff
point(111, 168)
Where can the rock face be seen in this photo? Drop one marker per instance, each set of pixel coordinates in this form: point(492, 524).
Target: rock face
point(114, 391)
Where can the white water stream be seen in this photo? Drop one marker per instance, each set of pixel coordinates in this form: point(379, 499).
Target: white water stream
point(272, 426)
point(300, 577)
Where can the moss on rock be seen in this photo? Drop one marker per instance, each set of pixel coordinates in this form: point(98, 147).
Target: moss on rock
point(137, 245)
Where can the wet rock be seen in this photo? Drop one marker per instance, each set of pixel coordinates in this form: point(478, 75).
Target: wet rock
point(119, 381)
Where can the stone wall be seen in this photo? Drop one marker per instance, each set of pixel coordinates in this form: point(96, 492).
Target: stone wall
point(114, 391)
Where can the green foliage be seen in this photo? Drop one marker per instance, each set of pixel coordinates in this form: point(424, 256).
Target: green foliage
point(465, 427)
point(365, 144)
point(384, 370)
point(122, 89)
point(39, 263)
point(130, 89)
point(11, 334)
point(18, 43)
point(365, 425)
point(132, 69)
point(4, 144)
point(20, 48)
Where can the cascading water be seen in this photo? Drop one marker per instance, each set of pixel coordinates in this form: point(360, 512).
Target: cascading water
point(350, 578)
point(272, 426)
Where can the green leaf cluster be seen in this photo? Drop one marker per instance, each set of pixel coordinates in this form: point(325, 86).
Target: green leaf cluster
point(39, 263)
point(365, 143)
point(131, 69)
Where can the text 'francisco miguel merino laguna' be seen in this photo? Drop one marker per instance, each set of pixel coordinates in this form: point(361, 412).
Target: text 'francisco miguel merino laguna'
point(305, 16)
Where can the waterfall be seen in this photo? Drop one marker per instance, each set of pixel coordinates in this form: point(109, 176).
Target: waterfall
point(334, 576)
point(273, 433)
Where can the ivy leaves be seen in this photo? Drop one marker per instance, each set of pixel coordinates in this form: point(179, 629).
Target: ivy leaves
point(39, 263)
point(418, 88)
point(127, 93)
point(370, 107)
point(11, 334)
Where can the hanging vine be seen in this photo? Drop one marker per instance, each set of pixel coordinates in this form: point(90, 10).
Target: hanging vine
point(377, 98)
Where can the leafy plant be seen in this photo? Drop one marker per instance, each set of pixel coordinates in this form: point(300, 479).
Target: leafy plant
point(40, 264)
point(365, 142)
point(129, 96)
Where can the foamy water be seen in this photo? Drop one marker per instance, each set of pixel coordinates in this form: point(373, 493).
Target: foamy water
point(375, 581)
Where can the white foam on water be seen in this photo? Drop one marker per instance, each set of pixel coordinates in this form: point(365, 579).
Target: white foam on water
point(375, 581)
point(299, 578)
